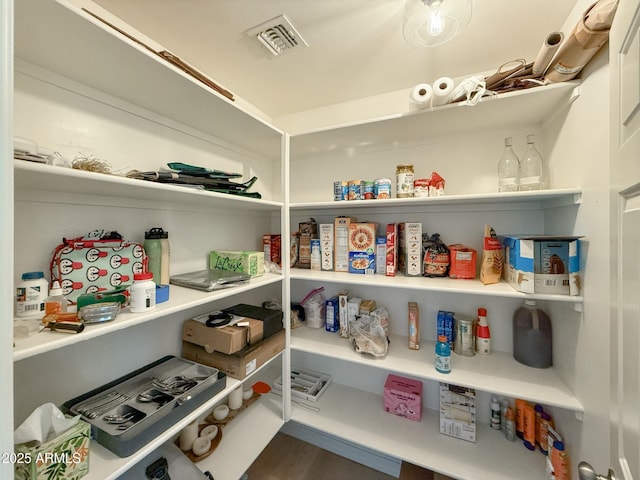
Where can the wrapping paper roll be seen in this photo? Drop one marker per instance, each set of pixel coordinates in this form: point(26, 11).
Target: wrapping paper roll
point(420, 96)
point(442, 90)
point(547, 51)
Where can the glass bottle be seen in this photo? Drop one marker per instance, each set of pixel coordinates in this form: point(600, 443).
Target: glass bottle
point(531, 177)
point(508, 169)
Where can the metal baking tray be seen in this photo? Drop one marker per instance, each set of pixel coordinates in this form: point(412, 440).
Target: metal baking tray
point(129, 412)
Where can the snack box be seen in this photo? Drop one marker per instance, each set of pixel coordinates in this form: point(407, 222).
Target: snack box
point(243, 261)
point(542, 264)
point(341, 243)
point(326, 246)
point(458, 412)
point(391, 250)
point(403, 397)
point(410, 241)
point(362, 248)
point(271, 245)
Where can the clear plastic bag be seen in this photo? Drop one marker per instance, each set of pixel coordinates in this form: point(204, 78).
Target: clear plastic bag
point(367, 336)
point(313, 305)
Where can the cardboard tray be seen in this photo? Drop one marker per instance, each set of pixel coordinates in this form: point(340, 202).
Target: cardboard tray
point(148, 420)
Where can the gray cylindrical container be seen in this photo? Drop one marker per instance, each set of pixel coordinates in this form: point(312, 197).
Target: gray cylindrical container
point(532, 344)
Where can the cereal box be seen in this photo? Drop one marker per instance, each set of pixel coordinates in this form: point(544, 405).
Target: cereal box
point(362, 248)
point(341, 243)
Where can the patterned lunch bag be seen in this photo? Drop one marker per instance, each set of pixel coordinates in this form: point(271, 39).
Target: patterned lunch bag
point(97, 262)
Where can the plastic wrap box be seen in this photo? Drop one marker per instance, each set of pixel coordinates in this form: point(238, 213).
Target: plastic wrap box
point(242, 261)
point(542, 264)
point(403, 397)
point(65, 457)
point(240, 364)
point(458, 412)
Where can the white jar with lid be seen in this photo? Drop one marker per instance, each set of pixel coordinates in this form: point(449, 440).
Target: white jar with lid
point(143, 293)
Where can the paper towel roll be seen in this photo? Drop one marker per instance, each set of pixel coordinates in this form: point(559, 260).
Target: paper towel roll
point(442, 89)
point(547, 51)
point(420, 96)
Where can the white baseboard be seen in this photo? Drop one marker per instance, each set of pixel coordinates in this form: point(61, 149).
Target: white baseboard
point(358, 453)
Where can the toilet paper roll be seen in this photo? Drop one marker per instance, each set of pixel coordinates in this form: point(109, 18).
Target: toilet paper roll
point(547, 51)
point(420, 96)
point(442, 89)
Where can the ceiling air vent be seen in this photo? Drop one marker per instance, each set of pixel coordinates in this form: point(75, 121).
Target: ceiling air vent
point(278, 35)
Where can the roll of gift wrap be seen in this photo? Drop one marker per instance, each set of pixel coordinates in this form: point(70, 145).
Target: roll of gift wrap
point(420, 96)
point(546, 53)
point(442, 90)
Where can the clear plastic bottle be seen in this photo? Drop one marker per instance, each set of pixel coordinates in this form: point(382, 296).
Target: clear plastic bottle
point(56, 301)
point(508, 169)
point(165, 271)
point(531, 175)
point(443, 355)
point(510, 425)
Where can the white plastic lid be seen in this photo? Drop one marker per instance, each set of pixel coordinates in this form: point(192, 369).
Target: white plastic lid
point(56, 289)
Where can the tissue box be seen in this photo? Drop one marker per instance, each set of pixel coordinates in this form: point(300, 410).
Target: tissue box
point(403, 397)
point(542, 264)
point(65, 457)
point(243, 261)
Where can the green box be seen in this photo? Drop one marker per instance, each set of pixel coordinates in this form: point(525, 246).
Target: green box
point(242, 261)
point(65, 457)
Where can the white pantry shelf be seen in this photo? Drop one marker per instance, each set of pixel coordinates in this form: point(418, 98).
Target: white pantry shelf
point(35, 177)
point(180, 299)
point(359, 417)
point(443, 285)
point(529, 106)
point(497, 373)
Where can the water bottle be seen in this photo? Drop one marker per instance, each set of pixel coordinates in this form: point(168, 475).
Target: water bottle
point(443, 355)
point(165, 261)
point(153, 250)
point(531, 177)
point(508, 169)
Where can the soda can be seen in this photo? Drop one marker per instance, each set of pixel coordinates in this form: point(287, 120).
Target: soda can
point(339, 188)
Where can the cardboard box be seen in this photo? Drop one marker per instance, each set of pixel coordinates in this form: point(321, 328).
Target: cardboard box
point(542, 264)
point(392, 250)
point(242, 363)
point(243, 261)
point(362, 248)
point(226, 339)
point(463, 261)
point(343, 313)
point(458, 412)
point(410, 250)
point(341, 243)
point(403, 397)
point(304, 251)
point(271, 246)
point(326, 246)
point(70, 449)
point(271, 319)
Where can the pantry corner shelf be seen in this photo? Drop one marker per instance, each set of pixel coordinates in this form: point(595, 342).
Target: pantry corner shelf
point(498, 372)
point(180, 299)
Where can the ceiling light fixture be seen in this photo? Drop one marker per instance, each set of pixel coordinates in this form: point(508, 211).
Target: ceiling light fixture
point(428, 23)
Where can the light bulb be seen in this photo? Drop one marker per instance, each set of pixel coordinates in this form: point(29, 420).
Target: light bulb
point(428, 23)
point(436, 23)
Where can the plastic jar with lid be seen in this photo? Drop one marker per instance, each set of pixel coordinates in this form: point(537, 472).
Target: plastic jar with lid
point(31, 293)
point(404, 181)
point(142, 293)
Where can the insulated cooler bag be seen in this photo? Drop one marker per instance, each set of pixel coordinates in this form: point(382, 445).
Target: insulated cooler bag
point(97, 262)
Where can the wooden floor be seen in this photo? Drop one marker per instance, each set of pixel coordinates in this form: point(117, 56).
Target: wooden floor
point(287, 458)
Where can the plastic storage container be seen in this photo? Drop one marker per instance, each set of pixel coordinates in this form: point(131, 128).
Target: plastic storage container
point(532, 337)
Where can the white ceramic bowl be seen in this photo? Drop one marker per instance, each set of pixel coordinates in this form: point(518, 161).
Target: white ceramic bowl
point(221, 412)
point(247, 393)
